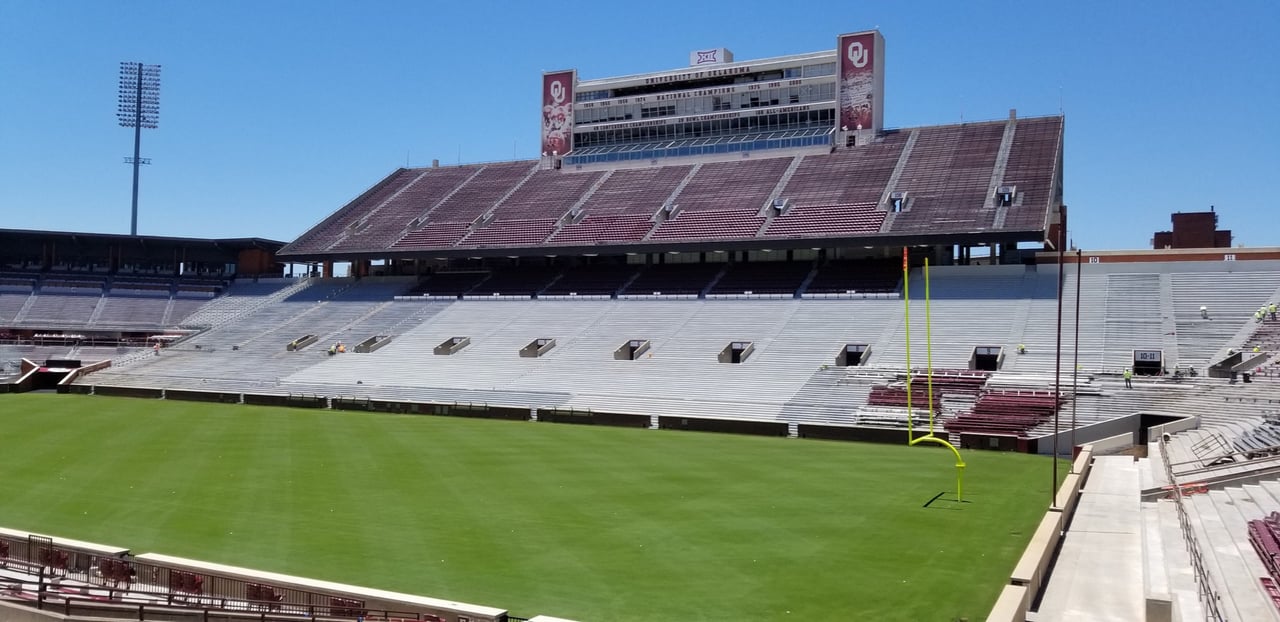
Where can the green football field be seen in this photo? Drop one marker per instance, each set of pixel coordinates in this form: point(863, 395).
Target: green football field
point(581, 522)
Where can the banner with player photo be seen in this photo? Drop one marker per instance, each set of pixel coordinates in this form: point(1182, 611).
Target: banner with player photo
point(557, 111)
point(860, 73)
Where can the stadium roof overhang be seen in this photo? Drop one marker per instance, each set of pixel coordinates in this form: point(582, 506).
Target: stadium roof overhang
point(667, 246)
point(28, 243)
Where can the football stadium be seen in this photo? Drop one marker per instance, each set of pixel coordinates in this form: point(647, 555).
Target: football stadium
point(731, 348)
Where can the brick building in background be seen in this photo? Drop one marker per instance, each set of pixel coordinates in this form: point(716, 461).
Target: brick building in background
point(1193, 230)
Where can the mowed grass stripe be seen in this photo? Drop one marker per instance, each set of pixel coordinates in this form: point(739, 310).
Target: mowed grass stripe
point(578, 521)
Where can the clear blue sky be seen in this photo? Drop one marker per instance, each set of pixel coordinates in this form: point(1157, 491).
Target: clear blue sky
point(274, 114)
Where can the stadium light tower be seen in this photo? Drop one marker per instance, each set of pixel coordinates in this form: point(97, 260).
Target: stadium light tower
point(139, 107)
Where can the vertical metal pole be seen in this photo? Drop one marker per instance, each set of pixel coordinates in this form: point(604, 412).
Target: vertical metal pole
point(928, 343)
point(1057, 373)
point(1075, 363)
point(137, 150)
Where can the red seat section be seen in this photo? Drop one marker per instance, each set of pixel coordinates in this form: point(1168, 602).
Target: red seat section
point(1032, 160)
point(605, 228)
point(710, 225)
point(947, 178)
point(827, 220)
point(1005, 412)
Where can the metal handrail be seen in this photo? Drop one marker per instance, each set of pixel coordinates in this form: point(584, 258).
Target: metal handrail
point(1208, 595)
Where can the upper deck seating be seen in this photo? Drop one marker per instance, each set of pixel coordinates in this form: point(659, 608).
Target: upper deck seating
point(481, 192)
point(507, 233)
point(743, 185)
point(434, 235)
point(597, 229)
point(325, 234)
point(384, 224)
point(947, 177)
point(1032, 160)
point(710, 225)
point(827, 220)
point(849, 176)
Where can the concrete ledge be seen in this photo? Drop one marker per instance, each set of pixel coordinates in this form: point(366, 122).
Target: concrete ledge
point(1082, 463)
point(1011, 606)
point(1033, 564)
point(1068, 495)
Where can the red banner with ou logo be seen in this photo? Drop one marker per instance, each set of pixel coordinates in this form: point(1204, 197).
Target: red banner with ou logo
point(859, 82)
point(557, 112)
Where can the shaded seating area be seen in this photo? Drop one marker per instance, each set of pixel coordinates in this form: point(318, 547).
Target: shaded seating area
point(763, 277)
point(521, 280)
point(449, 283)
point(592, 280)
point(856, 276)
point(674, 279)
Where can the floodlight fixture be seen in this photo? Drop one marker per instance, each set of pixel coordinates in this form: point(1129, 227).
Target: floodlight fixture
point(138, 108)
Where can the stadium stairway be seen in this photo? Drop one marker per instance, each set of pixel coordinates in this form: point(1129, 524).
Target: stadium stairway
point(1168, 576)
point(1220, 526)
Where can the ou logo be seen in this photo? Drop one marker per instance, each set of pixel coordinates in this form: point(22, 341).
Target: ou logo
point(857, 54)
point(557, 91)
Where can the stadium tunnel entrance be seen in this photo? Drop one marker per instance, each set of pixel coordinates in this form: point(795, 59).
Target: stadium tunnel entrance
point(45, 377)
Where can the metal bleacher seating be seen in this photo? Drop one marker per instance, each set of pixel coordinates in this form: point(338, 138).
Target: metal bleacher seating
point(673, 279)
point(845, 276)
point(763, 277)
point(947, 178)
point(723, 200)
point(848, 177)
point(593, 280)
point(523, 280)
point(947, 173)
point(621, 208)
point(385, 223)
point(529, 215)
point(1032, 158)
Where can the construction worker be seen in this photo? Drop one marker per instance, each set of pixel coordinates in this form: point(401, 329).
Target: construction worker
point(1022, 349)
point(1128, 378)
point(1272, 309)
point(1257, 315)
point(1204, 312)
point(1257, 349)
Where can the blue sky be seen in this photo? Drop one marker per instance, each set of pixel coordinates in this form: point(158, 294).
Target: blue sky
point(274, 114)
